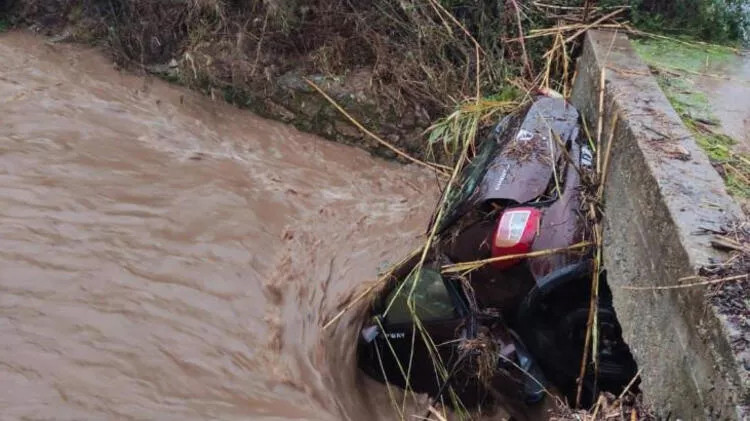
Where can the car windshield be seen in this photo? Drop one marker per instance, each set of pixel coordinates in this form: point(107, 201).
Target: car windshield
point(469, 181)
point(432, 301)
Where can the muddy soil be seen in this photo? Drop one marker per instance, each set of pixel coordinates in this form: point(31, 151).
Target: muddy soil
point(163, 256)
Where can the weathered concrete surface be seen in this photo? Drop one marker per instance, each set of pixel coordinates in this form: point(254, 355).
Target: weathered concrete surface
point(661, 191)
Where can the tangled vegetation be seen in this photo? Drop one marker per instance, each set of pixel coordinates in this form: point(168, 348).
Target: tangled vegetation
point(411, 62)
point(412, 51)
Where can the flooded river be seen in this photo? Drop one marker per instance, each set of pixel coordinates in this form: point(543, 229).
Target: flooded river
point(163, 256)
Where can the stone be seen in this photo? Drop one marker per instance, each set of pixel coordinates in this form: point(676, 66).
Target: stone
point(347, 130)
point(279, 111)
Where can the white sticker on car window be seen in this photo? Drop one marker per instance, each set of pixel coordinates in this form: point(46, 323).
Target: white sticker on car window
point(524, 135)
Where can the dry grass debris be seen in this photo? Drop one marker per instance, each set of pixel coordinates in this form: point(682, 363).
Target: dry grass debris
point(608, 408)
point(421, 58)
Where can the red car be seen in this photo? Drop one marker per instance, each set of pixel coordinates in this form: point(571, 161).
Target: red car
point(522, 192)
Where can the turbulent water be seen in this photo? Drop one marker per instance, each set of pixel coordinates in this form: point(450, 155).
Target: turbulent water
point(163, 256)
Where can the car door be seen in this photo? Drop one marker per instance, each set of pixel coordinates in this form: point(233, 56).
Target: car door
point(403, 347)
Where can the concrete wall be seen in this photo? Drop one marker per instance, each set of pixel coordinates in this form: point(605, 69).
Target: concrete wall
point(661, 191)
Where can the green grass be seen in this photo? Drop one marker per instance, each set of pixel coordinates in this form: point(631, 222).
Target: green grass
point(4, 25)
point(736, 171)
point(676, 63)
point(681, 55)
point(686, 100)
point(450, 133)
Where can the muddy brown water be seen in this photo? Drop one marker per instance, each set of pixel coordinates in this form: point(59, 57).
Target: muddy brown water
point(164, 256)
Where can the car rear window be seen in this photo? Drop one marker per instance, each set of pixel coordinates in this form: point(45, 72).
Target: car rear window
point(470, 178)
point(432, 301)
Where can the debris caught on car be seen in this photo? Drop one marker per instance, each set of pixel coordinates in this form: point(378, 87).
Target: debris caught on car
point(497, 309)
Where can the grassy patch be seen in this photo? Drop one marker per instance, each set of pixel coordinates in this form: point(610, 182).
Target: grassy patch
point(4, 25)
point(679, 55)
point(733, 167)
point(686, 100)
point(675, 63)
point(469, 118)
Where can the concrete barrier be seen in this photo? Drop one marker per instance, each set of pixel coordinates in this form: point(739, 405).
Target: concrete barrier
point(662, 194)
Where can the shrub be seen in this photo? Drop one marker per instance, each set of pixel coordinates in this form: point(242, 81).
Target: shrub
point(711, 20)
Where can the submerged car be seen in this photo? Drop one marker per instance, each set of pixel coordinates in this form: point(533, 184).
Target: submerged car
point(510, 328)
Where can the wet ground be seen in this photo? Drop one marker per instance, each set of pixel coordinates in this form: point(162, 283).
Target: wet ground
point(726, 86)
point(164, 257)
point(710, 87)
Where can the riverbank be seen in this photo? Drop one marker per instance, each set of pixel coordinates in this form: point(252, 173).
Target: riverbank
point(394, 68)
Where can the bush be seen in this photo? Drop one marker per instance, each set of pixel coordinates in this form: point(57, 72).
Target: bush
point(711, 20)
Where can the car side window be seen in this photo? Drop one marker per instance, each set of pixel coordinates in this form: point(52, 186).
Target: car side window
point(432, 301)
point(470, 178)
